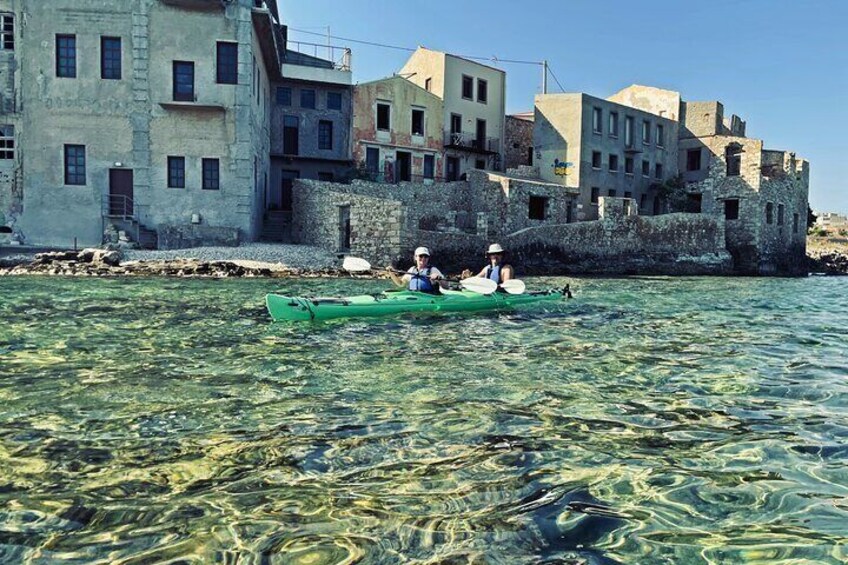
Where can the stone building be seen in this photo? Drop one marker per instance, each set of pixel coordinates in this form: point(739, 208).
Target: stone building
point(310, 125)
point(518, 140)
point(474, 98)
point(131, 122)
point(397, 131)
point(762, 194)
point(11, 196)
point(604, 148)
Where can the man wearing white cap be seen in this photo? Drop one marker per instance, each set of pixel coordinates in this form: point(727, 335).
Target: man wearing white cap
point(496, 270)
point(422, 277)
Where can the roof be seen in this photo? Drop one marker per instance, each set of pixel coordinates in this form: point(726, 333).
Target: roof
point(406, 82)
point(445, 53)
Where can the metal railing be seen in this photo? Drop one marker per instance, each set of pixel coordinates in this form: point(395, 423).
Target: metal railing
point(119, 206)
point(317, 55)
point(467, 140)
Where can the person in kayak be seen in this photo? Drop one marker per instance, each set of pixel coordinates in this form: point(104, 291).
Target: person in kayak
point(496, 270)
point(422, 277)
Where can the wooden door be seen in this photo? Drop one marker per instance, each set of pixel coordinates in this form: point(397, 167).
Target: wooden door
point(120, 192)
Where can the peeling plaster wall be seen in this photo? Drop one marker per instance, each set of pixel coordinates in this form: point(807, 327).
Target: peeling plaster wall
point(402, 96)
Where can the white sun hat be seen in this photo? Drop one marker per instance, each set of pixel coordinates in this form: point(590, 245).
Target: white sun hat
point(494, 248)
point(422, 251)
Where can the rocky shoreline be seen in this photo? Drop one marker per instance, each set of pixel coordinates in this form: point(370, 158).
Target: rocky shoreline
point(828, 262)
point(111, 262)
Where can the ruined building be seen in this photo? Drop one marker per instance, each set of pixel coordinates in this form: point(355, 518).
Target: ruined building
point(397, 127)
point(761, 193)
point(474, 97)
point(130, 121)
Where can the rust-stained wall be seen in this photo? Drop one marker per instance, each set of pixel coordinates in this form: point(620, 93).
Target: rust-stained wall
point(402, 96)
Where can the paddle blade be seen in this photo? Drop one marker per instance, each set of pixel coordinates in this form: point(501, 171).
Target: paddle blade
point(355, 264)
point(479, 285)
point(514, 286)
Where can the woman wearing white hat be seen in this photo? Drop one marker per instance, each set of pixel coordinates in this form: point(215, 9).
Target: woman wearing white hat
point(496, 270)
point(421, 277)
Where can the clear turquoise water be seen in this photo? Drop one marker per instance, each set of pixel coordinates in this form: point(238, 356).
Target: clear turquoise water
point(655, 420)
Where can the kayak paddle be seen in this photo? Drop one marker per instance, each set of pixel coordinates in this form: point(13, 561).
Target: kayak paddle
point(474, 284)
point(514, 286)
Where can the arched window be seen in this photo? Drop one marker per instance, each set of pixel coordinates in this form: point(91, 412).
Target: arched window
point(769, 213)
point(733, 158)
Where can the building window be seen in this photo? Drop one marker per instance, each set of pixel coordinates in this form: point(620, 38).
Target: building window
point(307, 98)
point(7, 32)
point(227, 63)
point(733, 157)
point(184, 81)
point(176, 172)
point(75, 164)
point(628, 165)
point(643, 202)
point(628, 194)
point(595, 193)
point(613, 163)
point(660, 135)
point(66, 56)
point(769, 213)
point(693, 159)
point(536, 207)
point(480, 164)
point(613, 124)
point(646, 168)
point(467, 87)
point(596, 159)
point(530, 156)
point(795, 220)
point(384, 115)
point(482, 91)
point(326, 177)
point(612, 193)
point(429, 166)
point(731, 209)
point(291, 135)
point(428, 84)
point(7, 142)
point(110, 58)
point(334, 100)
point(417, 122)
point(628, 131)
point(325, 134)
point(597, 120)
point(781, 210)
point(658, 171)
point(283, 96)
point(646, 132)
point(212, 174)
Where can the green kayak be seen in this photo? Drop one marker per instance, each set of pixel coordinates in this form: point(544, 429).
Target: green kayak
point(399, 302)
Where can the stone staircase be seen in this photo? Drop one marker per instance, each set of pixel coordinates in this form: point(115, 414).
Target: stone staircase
point(121, 212)
point(276, 226)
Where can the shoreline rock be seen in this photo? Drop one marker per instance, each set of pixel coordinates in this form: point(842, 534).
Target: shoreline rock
point(828, 262)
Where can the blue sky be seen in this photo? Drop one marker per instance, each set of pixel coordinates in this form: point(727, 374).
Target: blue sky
point(781, 65)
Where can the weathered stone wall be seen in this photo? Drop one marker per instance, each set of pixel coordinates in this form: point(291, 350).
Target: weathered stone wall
point(670, 244)
point(185, 236)
point(518, 143)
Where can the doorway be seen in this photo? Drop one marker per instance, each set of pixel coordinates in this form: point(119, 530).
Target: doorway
point(404, 166)
point(121, 192)
point(344, 228)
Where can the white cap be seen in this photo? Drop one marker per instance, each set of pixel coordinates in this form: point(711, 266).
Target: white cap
point(422, 251)
point(494, 248)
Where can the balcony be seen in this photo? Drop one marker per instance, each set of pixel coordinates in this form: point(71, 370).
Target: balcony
point(208, 5)
point(319, 63)
point(469, 142)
